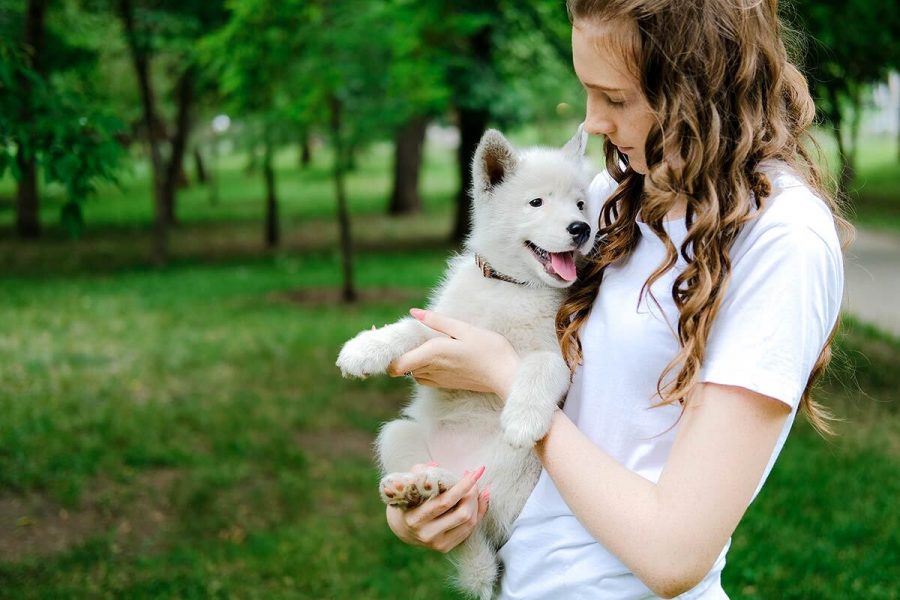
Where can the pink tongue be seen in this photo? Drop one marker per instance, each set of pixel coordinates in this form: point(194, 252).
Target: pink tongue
point(564, 265)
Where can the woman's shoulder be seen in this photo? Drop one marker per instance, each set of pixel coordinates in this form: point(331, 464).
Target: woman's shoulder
point(793, 212)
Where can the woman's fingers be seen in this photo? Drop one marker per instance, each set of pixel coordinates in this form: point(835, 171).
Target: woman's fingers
point(454, 527)
point(436, 506)
point(452, 327)
point(417, 358)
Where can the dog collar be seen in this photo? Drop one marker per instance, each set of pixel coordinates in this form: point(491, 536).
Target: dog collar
point(488, 271)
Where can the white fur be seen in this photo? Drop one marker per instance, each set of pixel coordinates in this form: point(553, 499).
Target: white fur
point(461, 429)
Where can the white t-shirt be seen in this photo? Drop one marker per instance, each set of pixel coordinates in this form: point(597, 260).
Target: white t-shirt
point(778, 310)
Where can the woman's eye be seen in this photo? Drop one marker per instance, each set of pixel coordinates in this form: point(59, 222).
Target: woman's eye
point(536, 202)
point(580, 205)
point(615, 103)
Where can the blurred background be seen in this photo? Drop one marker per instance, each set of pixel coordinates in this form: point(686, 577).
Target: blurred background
point(200, 201)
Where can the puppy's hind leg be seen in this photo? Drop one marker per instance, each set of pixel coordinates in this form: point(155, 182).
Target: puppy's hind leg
point(401, 444)
point(476, 565)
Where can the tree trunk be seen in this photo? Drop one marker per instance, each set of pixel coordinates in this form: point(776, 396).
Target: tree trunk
point(340, 166)
point(28, 223)
point(199, 166)
point(849, 173)
point(836, 118)
point(141, 58)
point(472, 124)
point(408, 146)
point(272, 230)
point(305, 151)
point(473, 120)
point(184, 92)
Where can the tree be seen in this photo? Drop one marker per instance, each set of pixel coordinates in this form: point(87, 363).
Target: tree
point(409, 143)
point(495, 52)
point(346, 69)
point(252, 56)
point(418, 90)
point(52, 120)
point(27, 224)
point(854, 44)
point(174, 26)
point(295, 65)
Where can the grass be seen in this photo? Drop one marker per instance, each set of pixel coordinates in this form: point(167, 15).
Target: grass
point(184, 432)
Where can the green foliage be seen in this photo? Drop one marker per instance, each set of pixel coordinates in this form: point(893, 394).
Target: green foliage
point(69, 130)
point(850, 44)
point(389, 60)
point(853, 42)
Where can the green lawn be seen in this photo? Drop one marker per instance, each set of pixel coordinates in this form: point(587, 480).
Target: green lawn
point(184, 432)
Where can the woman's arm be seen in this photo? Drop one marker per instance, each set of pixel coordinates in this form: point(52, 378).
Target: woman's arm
point(670, 533)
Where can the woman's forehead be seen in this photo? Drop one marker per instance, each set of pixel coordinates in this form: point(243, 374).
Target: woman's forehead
point(604, 53)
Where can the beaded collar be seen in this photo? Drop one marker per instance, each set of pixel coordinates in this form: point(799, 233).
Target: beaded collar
point(488, 271)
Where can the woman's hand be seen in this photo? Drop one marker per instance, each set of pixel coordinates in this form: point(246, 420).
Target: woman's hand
point(443, 521)
point(466, 358)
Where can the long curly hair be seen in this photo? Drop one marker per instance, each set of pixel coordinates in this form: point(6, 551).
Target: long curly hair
point(726, 97)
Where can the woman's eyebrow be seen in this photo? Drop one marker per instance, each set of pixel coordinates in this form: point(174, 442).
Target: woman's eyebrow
point(602, 88)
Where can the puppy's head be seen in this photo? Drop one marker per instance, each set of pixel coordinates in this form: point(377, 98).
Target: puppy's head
point(529, 213)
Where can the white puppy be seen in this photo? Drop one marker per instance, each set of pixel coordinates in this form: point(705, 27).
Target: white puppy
point(529, 220)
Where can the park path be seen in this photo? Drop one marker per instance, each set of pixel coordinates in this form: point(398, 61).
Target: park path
point(872, 279)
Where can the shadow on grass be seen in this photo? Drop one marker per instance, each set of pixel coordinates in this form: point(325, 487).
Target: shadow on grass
point(119, 249)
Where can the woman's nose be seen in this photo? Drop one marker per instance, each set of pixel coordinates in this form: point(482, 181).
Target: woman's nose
point(598, 126)
point(596, 122)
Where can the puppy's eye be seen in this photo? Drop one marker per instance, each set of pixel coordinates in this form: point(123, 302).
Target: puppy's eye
point(536, 202)
point(580, 205)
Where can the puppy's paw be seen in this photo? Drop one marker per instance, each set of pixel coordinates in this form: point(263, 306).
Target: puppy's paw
point(523, 426)
point(365, 355)
point(408, 490)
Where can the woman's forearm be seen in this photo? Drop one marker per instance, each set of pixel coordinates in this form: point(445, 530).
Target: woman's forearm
point(619, 508)
point(669, 533)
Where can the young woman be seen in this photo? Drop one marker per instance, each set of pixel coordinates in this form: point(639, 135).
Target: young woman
point(696, 333)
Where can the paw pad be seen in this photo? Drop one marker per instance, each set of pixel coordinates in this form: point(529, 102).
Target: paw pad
point(408, 490)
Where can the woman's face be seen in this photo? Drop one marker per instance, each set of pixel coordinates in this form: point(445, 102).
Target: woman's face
point(616, 107)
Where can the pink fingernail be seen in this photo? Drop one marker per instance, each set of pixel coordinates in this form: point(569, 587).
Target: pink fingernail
point(417, 313)
point(477, 474)
point(431, 464)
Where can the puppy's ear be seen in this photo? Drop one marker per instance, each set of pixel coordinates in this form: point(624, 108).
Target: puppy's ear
point(494, 161)
point(578, 144)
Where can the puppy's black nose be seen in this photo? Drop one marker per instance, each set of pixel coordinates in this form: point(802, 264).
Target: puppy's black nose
point(580, 231)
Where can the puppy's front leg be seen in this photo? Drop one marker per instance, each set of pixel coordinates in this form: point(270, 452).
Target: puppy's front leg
point(371, 351)
point(539, 386)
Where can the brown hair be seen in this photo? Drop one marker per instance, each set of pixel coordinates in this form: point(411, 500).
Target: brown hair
point(717, 75)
